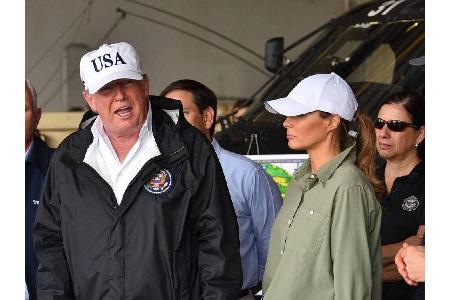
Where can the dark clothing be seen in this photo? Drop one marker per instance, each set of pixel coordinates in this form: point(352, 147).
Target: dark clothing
point(182, 243)
point(36, 166)
point(398, 290)
point(420, 291)
point(403, 213)
point(404, 207)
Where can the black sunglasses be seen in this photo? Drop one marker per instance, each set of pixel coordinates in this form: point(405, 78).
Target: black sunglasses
point(394, 125)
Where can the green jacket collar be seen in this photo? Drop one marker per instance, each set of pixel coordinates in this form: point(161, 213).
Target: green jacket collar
point(327, 170)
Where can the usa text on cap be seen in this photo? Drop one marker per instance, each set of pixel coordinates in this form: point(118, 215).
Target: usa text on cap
point(108, 63)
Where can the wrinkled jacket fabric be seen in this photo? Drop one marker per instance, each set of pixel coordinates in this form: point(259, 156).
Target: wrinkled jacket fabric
point(181, 244)
point(35, 170)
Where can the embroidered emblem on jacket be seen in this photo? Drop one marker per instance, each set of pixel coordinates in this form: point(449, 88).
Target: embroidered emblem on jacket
point(410, 203)
point(36, 202)
point(159, 183)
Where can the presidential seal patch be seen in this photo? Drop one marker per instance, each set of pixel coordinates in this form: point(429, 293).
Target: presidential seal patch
point(159, 183)
point(410, 203)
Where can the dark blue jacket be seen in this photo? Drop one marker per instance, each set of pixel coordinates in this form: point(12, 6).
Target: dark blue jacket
point(35, 169)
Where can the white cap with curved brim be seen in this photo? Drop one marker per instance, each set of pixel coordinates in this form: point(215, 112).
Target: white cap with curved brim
point(108, 63)
point(325, 92)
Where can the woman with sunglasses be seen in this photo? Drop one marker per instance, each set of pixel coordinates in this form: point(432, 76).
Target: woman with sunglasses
point(325, 242)
point(400, 133)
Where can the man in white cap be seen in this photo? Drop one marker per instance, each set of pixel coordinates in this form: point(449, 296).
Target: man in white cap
point(135, 204)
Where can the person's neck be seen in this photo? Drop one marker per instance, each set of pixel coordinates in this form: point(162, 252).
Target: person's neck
point(322, 153)
point(402, 166)
point(122, 144)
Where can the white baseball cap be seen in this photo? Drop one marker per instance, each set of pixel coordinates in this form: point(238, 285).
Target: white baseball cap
point(109, 63)
point(325, 92)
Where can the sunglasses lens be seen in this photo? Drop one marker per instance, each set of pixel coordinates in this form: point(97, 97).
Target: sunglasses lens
point(378, 124)
point(396, 125)
point(393, 125)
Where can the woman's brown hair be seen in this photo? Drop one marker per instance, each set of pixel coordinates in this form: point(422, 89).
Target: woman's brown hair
point(365, 148)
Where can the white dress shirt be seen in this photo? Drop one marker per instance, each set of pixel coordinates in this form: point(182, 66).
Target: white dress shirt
point(103, 158)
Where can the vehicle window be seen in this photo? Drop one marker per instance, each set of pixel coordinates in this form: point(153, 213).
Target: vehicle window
point(372, 57)
point(378, 67)
point(342, 50)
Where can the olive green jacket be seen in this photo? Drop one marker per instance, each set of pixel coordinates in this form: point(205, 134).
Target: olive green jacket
point(325, 242)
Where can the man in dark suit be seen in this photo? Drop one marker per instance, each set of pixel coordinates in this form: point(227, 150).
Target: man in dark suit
point(37, 157)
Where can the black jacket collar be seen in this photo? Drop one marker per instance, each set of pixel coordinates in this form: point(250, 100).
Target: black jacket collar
point(40, 154)
point(165, 131)
point(418, 170)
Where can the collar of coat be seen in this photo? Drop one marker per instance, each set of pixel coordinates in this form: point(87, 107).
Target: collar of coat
point(327, 170)
point(40, 155)
point(167, 122)
point(418, 170)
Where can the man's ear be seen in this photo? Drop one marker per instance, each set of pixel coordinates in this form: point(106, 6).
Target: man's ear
point(89, 100)
point(146, 85)
point(208, 117)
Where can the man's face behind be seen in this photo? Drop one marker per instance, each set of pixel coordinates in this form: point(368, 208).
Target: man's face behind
point(122, 106)
point(32, 116)
point(190, 109)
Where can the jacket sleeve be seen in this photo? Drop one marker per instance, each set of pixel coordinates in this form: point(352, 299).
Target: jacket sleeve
point(264, 204)
point(355, 244)
point(53, 275)
point(218, 236)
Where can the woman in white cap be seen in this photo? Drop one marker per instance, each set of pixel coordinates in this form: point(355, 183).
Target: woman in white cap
point(325, 242)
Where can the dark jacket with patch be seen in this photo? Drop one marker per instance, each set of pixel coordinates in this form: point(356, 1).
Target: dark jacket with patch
point(35, 169)
point(180, 244)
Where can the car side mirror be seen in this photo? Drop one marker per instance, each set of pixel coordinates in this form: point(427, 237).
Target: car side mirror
point(273, 58)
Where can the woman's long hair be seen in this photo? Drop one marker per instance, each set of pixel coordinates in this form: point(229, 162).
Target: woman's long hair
point(365, 148)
